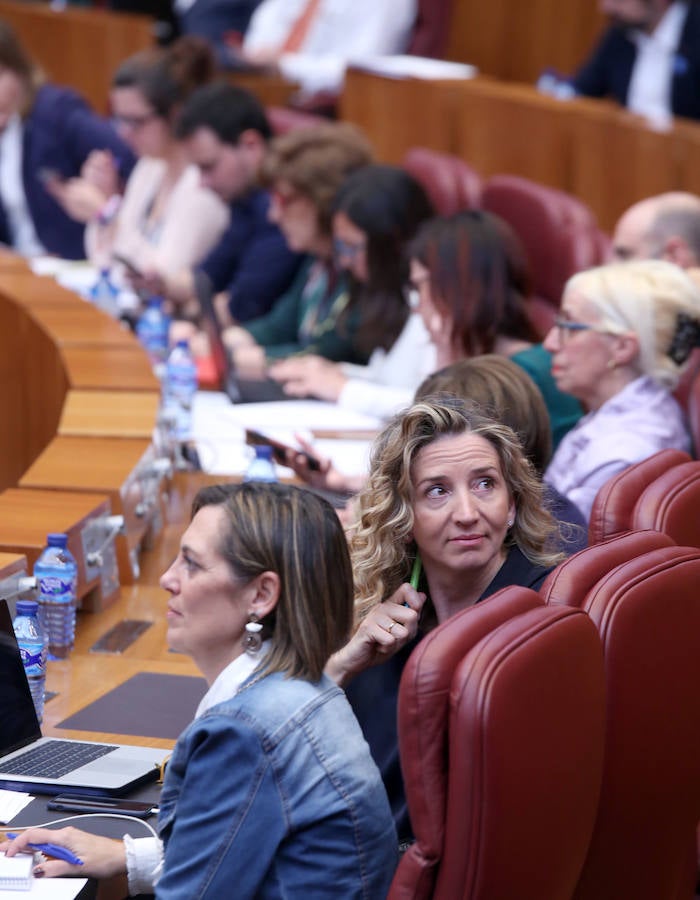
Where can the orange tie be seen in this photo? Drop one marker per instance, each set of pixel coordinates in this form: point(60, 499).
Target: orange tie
point(298, 31)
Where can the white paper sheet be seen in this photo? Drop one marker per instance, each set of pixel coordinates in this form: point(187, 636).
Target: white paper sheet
point(49, 889)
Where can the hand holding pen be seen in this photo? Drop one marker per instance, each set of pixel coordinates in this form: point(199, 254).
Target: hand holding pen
point(69, 851)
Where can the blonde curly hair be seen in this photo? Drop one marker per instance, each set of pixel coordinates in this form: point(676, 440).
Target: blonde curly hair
point(381, 545)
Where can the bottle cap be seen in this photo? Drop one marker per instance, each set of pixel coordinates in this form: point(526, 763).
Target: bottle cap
point(155, 301)
point(27, 607)
point(184, 343)
point(263, 451)
point(56, 539)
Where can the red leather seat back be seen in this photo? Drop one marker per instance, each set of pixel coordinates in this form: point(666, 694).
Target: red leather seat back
point(671, 503)
point(423, 728)
point(648, 615)
point(431, 29)
point(559, 232)
point(526, 750)
point(284, 119)
point(569, 583)
point(614, 504)
point(450, 183)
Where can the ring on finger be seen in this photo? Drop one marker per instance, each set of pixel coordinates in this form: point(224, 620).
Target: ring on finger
point(393, 625)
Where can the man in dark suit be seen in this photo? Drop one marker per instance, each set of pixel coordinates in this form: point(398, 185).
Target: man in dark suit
point(225, 131)
point(649, 58)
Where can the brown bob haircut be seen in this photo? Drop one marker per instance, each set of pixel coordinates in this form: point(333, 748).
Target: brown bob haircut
point(290, 531)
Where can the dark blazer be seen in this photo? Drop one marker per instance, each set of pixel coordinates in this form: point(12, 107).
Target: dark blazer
point(374, 693)
point(59, 133)
point(252, 261)
point(212, 19)
point(608, 71)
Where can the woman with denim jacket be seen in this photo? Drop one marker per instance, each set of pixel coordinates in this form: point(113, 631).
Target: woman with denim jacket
point(271, 790)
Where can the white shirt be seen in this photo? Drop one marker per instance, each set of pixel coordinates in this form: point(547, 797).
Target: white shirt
point(649, 92)
point(24, 237)
point(342, 31)
point(144, 856)
point(388, 383)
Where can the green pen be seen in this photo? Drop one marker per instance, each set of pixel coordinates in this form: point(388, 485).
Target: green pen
point(415, 573)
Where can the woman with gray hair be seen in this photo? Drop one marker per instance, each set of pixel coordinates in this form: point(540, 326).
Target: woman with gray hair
point(620, 346)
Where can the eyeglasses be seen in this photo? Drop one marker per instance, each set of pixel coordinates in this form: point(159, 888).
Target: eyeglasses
point(134, 122)
point(566, 327)
point(347, 249)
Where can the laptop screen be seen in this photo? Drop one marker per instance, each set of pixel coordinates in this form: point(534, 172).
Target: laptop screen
point(18, 722)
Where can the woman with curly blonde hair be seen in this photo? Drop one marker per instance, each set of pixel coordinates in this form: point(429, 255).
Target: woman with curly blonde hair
point(451, 487)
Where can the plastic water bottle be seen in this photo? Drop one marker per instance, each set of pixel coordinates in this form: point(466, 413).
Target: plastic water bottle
point(56, 573)
point(104, 294)
point(180, 388)
point(152, 330)
point(261, 467)
point(31, 638)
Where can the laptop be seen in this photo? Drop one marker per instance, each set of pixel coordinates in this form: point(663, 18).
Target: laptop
point(238, 390)
point(30, 762)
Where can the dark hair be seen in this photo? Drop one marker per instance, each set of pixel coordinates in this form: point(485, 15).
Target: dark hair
point(14, 57)
point(478, 278)
point(387, 204)
point(294, 533)
point(225, 109)
point(166, 77)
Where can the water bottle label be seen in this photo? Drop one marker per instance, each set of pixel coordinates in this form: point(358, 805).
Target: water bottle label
point(34, 663)
point(56, 588)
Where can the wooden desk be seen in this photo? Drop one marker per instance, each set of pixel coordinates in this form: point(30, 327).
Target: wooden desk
point(122, 469)
point(27, 516)
point(79, 47)
point(592, 149)
point(112, 368)
point(109, 413)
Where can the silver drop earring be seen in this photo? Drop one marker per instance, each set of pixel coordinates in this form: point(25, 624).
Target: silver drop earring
point(252, 639)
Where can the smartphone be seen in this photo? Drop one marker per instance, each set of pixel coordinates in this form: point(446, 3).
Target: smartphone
point(279, 450)
point(67, 803)
point(131, 267)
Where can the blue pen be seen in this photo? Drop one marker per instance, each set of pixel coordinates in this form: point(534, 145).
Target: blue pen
point(53, 850)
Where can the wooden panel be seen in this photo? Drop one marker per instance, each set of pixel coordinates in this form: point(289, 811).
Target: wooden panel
point(108, 368)
point(27, 516)
point(77, 322)
point(80, 48)
point(33, 386)
point(271, 90)
point(514, 129)
point(617, 160)
point(400, 113)
point(513, 40)
point(109, 414)
point(686, 147)
point(12, 564)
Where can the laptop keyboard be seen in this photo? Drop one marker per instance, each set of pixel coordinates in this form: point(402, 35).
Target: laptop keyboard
point(54, 759)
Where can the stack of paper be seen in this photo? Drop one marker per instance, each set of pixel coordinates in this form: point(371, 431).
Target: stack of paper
point(11, 803)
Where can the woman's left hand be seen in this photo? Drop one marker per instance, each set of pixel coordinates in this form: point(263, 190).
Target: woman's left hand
point(387, 628)
point(101, 857)
point(304, 376)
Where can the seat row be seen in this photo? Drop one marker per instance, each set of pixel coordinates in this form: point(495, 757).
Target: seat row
point(550, 741)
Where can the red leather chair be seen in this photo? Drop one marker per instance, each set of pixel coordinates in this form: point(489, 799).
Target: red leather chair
point(559, 232)
point(450, 183)
point(431, 29)
point(500, 733)
point(613, 507)
point(648, 616)
point(284, 119)
point(571, 580)
point(671, 504)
